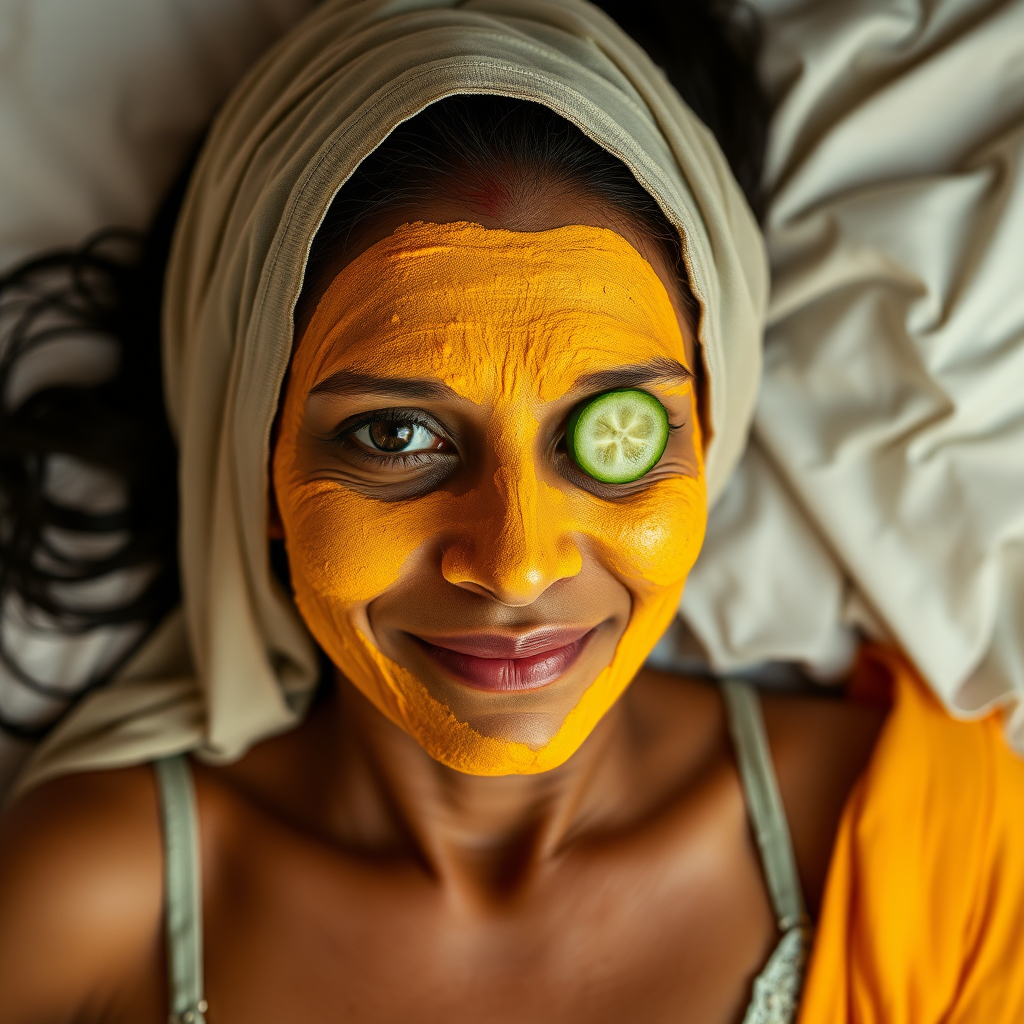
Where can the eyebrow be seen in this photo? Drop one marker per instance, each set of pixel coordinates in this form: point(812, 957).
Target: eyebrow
point(351, 382)
point(657, 371)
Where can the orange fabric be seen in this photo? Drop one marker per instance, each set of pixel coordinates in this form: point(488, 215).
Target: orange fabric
point(923, 916)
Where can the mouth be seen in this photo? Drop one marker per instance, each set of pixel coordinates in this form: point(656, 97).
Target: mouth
point(501, 663)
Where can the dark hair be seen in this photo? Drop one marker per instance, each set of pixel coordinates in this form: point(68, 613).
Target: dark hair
point(109, 289)
point(112, 286)
point(496, 153)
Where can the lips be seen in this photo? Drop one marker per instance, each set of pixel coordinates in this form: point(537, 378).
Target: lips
point(501, 663)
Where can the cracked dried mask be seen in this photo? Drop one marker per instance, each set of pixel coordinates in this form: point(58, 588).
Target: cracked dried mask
point(421, 465)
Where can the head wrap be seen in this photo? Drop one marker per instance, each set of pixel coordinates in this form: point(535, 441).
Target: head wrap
point(237, 663)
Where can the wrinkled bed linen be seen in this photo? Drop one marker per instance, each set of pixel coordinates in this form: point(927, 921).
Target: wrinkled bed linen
point(884, 485)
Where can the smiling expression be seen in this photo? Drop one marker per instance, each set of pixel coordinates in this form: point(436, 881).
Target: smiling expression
point(448, 554)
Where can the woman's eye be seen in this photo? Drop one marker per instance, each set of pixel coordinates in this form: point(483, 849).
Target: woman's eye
point(398, 436)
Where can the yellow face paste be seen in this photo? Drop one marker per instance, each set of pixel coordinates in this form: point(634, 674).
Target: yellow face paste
point(509, 321)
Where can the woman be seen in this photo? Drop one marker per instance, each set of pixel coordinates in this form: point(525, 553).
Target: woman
point(482, 397)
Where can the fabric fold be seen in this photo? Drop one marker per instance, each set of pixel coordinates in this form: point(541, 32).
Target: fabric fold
point(890, 413)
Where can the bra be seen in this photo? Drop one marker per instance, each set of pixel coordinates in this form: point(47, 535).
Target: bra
point(776, 990)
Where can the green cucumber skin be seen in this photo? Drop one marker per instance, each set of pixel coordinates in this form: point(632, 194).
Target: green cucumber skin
point(571, 431)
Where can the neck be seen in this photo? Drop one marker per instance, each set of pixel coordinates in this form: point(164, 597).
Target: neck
point(483, 838)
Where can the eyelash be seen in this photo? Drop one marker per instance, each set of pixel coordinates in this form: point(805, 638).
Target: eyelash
point(402, 459)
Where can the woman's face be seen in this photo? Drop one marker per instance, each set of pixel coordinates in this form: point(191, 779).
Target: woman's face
point(459, 567)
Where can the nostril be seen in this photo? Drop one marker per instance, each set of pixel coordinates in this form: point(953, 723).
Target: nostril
point(474, 588)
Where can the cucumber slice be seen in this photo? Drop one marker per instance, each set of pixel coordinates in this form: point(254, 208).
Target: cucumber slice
point(619, 436)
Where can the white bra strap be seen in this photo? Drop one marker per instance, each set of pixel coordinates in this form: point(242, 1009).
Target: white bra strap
point(764, 804)
point(183, 908)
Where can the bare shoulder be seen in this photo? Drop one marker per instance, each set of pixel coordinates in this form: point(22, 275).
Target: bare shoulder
point(80, 895)
point(820, 746)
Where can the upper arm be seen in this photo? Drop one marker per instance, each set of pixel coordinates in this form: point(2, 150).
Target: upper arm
point(80, 896)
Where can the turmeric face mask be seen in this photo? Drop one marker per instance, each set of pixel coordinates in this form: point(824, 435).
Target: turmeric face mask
point(448, 549)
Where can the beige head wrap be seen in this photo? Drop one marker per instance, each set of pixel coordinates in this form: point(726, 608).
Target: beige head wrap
point(238, 664)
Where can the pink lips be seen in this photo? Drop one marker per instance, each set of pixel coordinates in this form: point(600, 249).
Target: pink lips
point(497, 662)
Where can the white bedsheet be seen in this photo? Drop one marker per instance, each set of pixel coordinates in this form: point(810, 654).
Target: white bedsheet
point(884, 486)
point(888, 446)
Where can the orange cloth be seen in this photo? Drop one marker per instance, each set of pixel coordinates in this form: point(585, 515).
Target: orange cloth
point(923, 916)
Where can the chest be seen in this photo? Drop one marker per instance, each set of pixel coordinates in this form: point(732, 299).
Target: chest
point(602, 935)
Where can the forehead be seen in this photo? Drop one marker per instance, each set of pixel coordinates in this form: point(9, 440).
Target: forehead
point(485, 310)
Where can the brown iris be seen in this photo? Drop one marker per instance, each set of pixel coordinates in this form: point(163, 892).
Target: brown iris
point(391, 435)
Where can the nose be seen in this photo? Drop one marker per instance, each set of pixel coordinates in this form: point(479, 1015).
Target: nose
point(517, 539)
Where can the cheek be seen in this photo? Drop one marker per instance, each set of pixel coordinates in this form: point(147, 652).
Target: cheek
point(348, 549)
point(653, 538)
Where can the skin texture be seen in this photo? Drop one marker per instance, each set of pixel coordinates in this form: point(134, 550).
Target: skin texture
point(350, 876)
point(499, 335)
